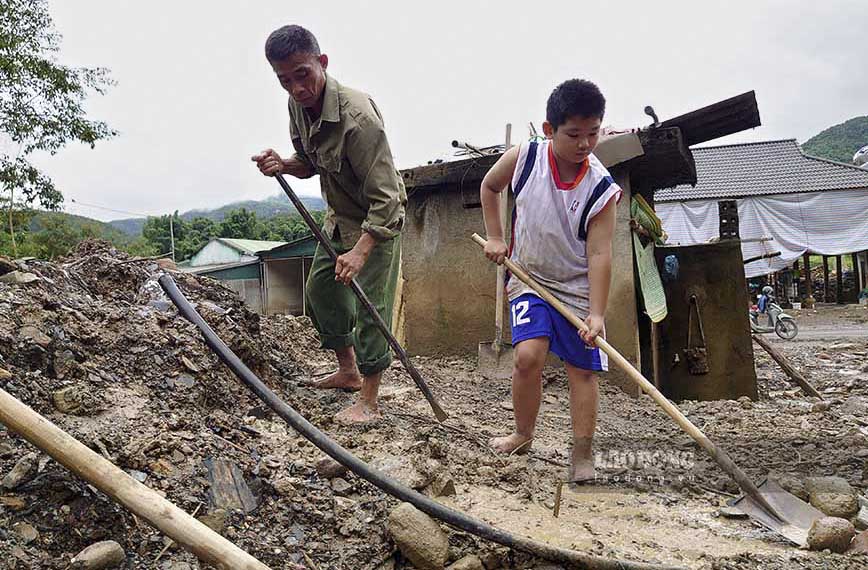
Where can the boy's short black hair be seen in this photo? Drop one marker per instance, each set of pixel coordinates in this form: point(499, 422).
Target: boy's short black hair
point(288, 40)
point(574, 97)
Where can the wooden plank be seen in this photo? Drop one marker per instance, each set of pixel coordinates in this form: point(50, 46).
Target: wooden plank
point(719, 119)
point(229, 491)
point(785, 365)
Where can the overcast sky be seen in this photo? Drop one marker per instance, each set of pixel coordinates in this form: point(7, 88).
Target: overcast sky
point(195, 97)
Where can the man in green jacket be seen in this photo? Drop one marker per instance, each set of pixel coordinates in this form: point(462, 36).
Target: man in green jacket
point(337, 132)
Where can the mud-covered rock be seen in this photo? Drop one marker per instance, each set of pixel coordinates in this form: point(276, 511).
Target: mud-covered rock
point(419, 538)
point(99, 556)
point(859, 544)
point(831, 533)
point(23, 470)
point(77, 400)
point(328, 468)
point(833, 496)
point(25, 532)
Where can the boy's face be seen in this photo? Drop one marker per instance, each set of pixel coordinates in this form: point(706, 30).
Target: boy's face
point(575, 139)
point(303, 76)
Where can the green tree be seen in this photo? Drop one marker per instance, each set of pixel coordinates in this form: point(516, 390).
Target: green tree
point(139, 247)
point(41, 104)
point(291, 227)
point(240, 224)
point(21, 218)
point(197, 233)
point(158, 232)
point(58, 237)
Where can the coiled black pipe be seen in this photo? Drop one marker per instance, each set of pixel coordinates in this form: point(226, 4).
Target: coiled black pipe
point(451, 517)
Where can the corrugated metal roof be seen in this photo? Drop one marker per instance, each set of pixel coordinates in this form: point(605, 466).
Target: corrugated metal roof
point(206, 269)
point(301, 247)
point(760, 169)
point(250, 246)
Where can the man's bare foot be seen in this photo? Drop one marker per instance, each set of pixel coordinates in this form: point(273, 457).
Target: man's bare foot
point(581, 463)
point(513, 444)
point(358, 413)
point(340, 380)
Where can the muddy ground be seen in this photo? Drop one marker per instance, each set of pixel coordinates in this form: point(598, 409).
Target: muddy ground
point(95, 337)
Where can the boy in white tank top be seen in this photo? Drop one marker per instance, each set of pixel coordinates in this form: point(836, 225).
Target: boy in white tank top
point(562, 228)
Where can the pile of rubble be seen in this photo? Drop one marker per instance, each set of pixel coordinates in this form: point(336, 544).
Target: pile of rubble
point(92, 344)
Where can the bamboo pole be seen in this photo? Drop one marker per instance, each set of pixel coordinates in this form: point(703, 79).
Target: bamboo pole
point(142, 501)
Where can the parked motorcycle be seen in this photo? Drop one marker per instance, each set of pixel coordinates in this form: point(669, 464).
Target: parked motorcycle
point(778, 321)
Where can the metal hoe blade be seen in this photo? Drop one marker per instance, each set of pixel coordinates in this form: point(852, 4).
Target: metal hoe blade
point(798, 515)
point(495, 360)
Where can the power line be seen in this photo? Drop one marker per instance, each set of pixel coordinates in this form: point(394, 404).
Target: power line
point(171, 220)
point(79, 203)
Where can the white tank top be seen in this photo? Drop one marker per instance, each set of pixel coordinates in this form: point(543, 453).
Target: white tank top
point(550, 223)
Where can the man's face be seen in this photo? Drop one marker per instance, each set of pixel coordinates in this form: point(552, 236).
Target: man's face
point(575, 139)
point(303, 76)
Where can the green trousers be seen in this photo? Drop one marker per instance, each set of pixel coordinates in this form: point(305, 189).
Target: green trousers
point(340, 318)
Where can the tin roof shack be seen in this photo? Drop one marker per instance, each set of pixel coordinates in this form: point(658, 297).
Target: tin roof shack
point(236, 263)
point(223, 251)
point(269, 276)
point(449, 286)
point(284, 273)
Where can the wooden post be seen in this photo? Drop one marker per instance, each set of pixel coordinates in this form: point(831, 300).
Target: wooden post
point(865, 273)
point(839, 280)
point(825, 279)
point(857, 277)
point(796, 279)
point(788, 368)
point(303, 293)
point(809, 301)
point(144, 502)
point(655, 353)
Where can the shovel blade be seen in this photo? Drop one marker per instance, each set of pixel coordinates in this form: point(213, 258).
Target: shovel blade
point(798, 515)
point(495, 360)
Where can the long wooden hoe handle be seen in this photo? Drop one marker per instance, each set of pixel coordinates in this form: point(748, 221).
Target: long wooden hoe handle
point(719, 456)
point(324, 242)
point(144, 502)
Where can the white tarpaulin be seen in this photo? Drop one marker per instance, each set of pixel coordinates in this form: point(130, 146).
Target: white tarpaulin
point(822, 223)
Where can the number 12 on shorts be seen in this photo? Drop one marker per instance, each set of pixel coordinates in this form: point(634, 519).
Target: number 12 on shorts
point(519, 313)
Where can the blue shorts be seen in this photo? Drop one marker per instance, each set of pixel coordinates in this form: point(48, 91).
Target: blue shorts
point(532, 317)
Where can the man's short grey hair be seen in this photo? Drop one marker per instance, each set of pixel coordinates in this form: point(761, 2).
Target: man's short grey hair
point(288, 40)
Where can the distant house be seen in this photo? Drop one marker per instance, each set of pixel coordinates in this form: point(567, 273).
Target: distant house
point(269, 276)
point(284, 273)
point(222, 251)
point(802, 204)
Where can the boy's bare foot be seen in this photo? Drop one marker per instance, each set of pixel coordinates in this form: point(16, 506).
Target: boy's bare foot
point(340, 380)
point(512, 444)
point(358, 413)
point(581, 462)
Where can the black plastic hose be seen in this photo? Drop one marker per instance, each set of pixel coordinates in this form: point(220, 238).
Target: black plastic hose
point(449, 516)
